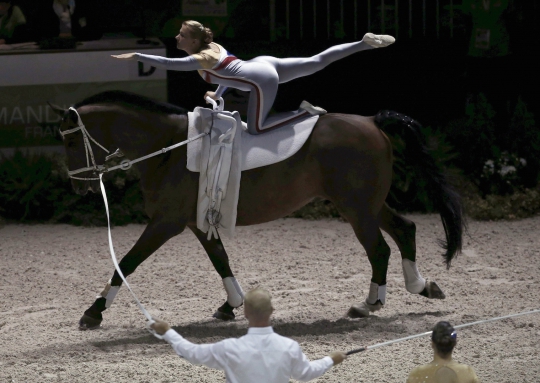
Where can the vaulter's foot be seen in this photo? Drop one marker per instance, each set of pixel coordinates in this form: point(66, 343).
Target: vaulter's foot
point(378, 41)
point(313, 110)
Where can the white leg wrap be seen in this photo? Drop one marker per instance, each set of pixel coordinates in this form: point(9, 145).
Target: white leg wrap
point(413, 280)
point(376, 293)
point(109, 293)
point(235, 294)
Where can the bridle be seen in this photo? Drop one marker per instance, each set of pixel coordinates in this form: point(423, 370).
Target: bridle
point(88, 150)
point(100, 169)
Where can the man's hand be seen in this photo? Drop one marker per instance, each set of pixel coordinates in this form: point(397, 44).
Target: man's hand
point(125, 56)
point(161, 327)
point(338, 357)
point(212, 95)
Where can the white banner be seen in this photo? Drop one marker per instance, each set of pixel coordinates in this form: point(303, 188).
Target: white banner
point(76, 67)
point(204, 8)
point(34, 76)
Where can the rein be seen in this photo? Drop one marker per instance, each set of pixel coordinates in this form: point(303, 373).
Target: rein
point(124, 165)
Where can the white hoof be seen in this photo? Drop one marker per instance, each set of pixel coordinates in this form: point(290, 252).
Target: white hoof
point(363, 309)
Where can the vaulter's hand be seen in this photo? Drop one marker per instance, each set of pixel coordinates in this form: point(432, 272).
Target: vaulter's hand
point(161, 327)
point(125, 56)
point(338, 357)
point(212, 95)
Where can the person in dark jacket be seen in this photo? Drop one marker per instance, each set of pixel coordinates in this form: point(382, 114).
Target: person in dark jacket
point(13, 28)
point(68, 19)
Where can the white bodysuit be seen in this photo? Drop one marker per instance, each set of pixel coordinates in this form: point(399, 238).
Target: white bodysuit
point(259, 76)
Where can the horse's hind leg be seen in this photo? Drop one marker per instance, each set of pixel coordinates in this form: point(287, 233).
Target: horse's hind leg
point(219, 258)
point(403, 232)
point(153, 237)
point(366, 228)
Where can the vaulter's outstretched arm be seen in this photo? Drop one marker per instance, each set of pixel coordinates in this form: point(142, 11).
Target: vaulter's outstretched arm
point(181, 64)
point(188, 63)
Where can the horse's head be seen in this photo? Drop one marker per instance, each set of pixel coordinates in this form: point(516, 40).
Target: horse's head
point(85, 154)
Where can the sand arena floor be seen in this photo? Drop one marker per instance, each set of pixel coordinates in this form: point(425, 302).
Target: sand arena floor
point(49, 274)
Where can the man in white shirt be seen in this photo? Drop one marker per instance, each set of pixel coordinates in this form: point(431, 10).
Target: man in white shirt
point(260, 356)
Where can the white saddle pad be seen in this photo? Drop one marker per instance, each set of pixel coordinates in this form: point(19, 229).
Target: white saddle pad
point(257, 150)
point(220, 175)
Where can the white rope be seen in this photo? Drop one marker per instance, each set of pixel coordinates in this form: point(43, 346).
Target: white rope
point(117, 267)
point(429, 332)
point(124, 165)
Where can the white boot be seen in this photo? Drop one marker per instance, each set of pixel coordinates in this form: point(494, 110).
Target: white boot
point(313, 110)
point(378, 41)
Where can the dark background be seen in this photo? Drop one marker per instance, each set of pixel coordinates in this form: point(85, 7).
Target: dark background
point(427, 74)
point(423, 75)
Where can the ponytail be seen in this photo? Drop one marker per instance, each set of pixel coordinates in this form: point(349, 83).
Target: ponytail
point(199, 31)
point(444, 337)
point(208, 35)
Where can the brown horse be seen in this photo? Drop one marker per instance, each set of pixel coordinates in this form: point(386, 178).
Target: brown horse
point(347, 160)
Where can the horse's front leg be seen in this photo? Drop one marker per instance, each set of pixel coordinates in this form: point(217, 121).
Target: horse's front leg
point(219, 258)
point(403, 232)
point(154, 236)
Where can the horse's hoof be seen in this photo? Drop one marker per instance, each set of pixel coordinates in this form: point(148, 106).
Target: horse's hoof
point(223, 315)
point(225, 312)
point(432, 291)
point(363, 309)
point(89, 323)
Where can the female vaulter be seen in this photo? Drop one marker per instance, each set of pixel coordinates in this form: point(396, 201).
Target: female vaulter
point(259, 76)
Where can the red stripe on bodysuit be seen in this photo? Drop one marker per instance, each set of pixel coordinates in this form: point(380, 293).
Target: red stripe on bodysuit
point(226, 61)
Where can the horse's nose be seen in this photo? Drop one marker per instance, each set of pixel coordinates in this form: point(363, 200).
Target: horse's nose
point(94, 187)
point(80, 188)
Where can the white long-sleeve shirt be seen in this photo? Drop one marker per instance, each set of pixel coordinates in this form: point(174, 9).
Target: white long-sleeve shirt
point(261, 356)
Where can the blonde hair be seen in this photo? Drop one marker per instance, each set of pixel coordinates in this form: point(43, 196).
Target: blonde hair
point(259, 302)
point(199, 31)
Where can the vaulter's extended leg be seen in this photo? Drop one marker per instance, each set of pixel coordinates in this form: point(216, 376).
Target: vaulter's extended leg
point(218, 256)
point(403, 232)
point(153, 237)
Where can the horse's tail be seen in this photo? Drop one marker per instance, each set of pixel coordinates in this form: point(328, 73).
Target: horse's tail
point(446, 200)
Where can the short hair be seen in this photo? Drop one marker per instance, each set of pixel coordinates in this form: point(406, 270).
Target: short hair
point(259, 302)
point(199, 31)
point(444, 338)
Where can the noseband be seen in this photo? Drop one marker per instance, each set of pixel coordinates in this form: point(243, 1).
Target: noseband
point(100, 169)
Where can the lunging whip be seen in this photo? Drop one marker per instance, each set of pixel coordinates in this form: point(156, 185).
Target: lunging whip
point(429, 332)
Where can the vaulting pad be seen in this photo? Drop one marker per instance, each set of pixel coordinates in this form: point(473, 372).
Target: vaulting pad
point(219, 181)
point(257, 150)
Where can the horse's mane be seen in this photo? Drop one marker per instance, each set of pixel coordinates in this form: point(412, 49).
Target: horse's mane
point(132, 100)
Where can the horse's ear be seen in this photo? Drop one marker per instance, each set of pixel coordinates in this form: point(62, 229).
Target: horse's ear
point(56, 109)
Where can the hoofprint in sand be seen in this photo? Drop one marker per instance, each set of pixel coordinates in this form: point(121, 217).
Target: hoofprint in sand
point(315, 270)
